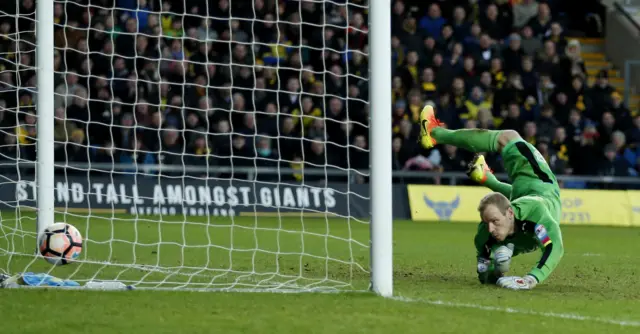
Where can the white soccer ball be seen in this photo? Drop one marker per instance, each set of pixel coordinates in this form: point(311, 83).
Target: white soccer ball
point(60, 243)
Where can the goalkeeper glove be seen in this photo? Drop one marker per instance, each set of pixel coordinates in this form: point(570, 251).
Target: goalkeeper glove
point(517, 283)
point(503, 256)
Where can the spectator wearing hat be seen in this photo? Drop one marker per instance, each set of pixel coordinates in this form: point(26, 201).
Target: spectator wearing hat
point(546, 123)
point(601, 91)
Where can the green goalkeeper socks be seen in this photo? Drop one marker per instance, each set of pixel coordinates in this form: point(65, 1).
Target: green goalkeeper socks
point(474, 140)
point(492, 183)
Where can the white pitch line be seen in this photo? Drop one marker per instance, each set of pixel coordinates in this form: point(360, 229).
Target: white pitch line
point(569, 316)
point(591, 254)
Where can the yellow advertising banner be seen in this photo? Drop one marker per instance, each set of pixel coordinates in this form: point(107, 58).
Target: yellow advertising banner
point(595, 207)
point(581, 207)
point(445, 203)
point(634, 206)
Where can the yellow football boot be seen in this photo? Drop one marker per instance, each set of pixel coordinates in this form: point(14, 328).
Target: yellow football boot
point(478, 169)
point(428, 121)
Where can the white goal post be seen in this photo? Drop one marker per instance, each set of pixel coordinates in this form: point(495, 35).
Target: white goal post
point(234, 145)
point(381, 210)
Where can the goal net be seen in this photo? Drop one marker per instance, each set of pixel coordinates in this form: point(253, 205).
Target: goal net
point(197, 144)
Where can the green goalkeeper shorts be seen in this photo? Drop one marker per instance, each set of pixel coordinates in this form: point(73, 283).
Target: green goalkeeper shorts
point(530, 174)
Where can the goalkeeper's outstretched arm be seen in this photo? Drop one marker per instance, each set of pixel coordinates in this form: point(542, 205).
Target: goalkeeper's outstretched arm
point(548, 232)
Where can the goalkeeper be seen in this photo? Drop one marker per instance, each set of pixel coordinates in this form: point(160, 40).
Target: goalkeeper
point(517, 218)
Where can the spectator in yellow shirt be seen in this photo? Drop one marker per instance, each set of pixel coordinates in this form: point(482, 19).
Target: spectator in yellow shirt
point(474, 103)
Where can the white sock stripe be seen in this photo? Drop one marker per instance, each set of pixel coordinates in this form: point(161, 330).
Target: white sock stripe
point(570, 316)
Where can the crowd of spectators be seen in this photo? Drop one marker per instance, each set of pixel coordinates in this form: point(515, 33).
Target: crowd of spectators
point(284, 83)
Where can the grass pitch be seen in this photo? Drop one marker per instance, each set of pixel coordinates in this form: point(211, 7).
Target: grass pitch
point(594, 290)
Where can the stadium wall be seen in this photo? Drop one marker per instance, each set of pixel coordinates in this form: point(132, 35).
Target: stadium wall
point(189, 197)
point(622, 31)
point(127, 194)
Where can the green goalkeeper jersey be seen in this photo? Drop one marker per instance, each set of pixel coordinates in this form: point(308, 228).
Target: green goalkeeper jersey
point(535, 199)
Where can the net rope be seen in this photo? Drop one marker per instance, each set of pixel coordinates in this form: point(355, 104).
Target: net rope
point(199, 144)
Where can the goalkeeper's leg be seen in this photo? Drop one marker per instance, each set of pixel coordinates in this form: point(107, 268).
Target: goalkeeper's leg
point(474, 140)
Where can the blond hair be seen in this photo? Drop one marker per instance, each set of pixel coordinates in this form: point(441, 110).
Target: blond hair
point(499, 200)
